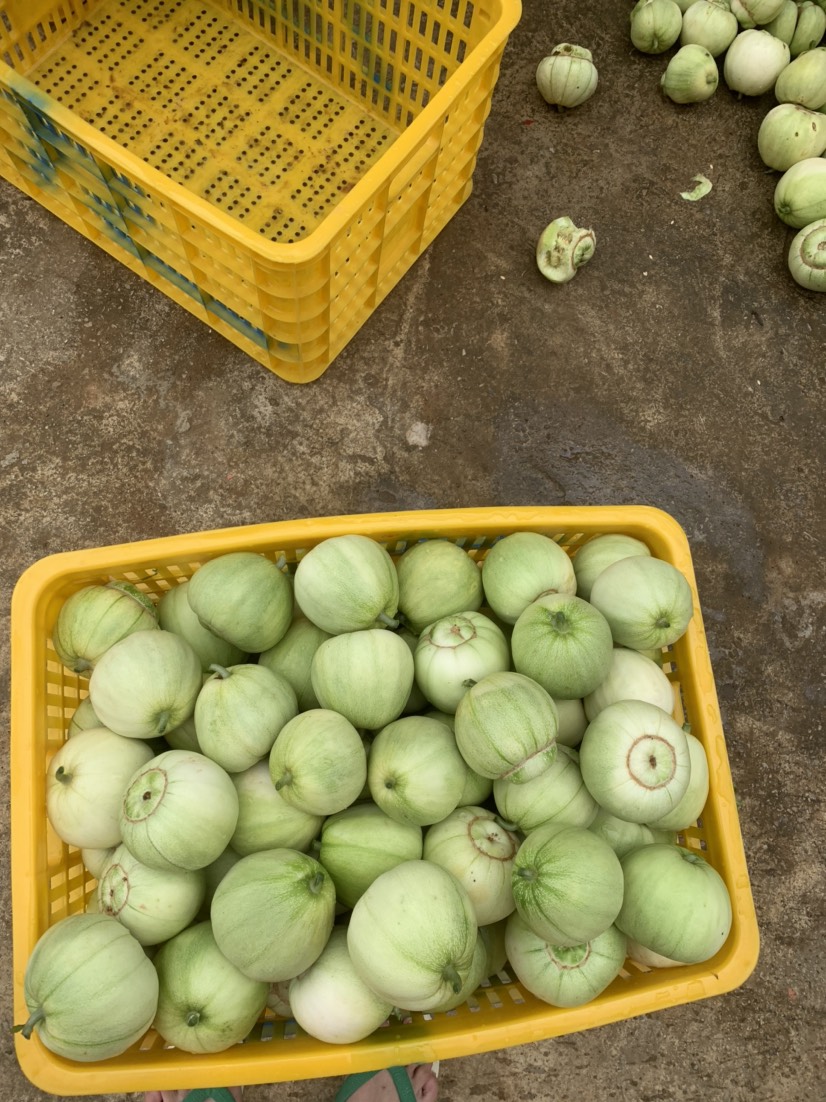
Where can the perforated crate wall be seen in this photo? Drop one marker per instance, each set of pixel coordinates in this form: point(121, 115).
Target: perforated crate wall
point(275, 166)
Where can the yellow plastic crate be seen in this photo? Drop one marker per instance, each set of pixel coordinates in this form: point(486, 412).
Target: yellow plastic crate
point(49, 881)
point(274, 166)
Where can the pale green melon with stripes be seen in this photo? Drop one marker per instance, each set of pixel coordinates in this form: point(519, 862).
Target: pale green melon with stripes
point(318, 762)
point(635, 761)
point(572, 722)
point(365, 676)
point(415, 771)
point(96, 617)
point(506, 727)
point(175, 614)
point(272, 913)
point(85, 781)
point(598, 553)
point(184, 736)
point(179, 811)
point(567, 884)
point(239, 713)
point(83, 718)
point(521, 568)
point(564, 643)
point(205, 1003)
point(244, 598)
point(90, 988)
point(675, 903)
point(436, 578)
point(563, 975)
point(479, 850)
point(632, 676)
point(265, 819)
point(292, 657)
point(412, 936)
point(360, 843)
point(347, 583)
point(455, 652)
point(215, 872)
point(648, 602)
point(557, 795)
point(620, 835)
point(153, 904)
point(331, 1002)
point(146, 684)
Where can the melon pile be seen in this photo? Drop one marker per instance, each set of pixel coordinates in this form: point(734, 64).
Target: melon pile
point(359, 785)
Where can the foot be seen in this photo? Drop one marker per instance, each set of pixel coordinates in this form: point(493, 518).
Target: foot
point(179, 1096)
point(379, 1089)
point(382, 1089)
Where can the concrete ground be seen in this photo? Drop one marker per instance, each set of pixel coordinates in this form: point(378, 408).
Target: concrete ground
point(682, 368)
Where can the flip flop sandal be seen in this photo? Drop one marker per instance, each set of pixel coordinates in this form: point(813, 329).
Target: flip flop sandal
point(401, 1081)
point(217, 1094)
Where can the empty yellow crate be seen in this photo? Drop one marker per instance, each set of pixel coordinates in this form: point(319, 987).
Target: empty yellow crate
point(274, 166)
point(49, 881)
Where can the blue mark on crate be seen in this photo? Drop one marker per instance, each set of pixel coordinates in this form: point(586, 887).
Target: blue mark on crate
point(168, 272)
point(42, 127)
point(112, 223)
point(35, 125)
point(130, 185)
point(123, 239)
point(250, 331)
point(41, 164)
point(130, 192)
point(56, 147)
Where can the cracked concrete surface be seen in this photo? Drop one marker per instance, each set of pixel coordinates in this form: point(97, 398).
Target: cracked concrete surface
point(681, 368)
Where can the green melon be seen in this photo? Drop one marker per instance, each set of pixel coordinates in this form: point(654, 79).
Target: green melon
point(244, 598)
point(436, 578)
point(506, 727)
point(272, 914)
point(205, 1004)
point(96, 617)
point(567, 884)
point(364, 675)
point(347, 583)
point(90, 989)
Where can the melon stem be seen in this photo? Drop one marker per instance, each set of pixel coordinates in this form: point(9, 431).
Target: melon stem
point(193, 1017)
point(163, 722)
point(284, 780)
point(316, 883)
point(27, 1029)
point(62, 776)
point(222, 671)
point(388, 622)
point(560, 622)
point(451, 976)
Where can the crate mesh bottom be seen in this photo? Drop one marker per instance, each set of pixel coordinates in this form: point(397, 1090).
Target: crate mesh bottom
point(217, 109)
